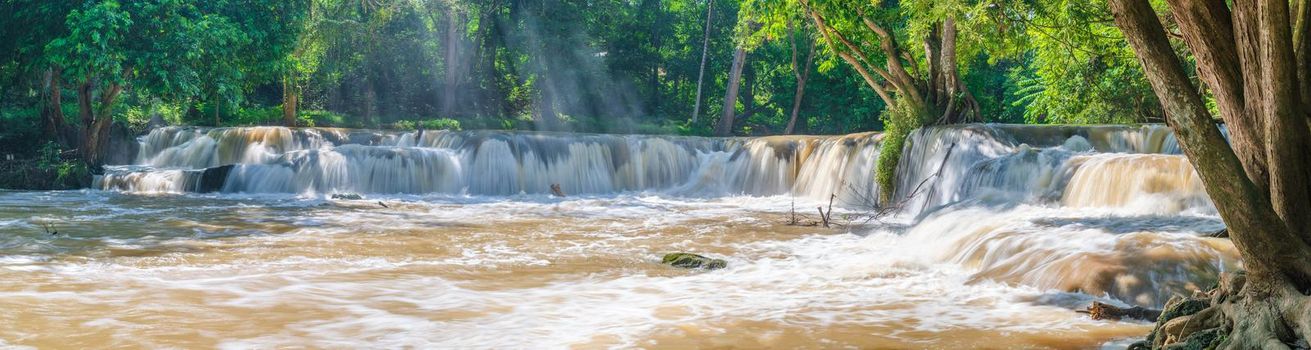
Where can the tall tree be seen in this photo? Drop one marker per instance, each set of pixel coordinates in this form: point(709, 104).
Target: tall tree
point(1247, 58)
point(800, 71)
point(705, 53)
point(725, 126)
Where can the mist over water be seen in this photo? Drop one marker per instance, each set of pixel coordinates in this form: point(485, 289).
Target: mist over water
point(1012, 228)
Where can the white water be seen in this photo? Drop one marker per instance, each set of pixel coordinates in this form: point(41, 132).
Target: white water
point(1019, 226)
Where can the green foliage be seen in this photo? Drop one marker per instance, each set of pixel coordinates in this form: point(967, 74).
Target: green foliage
point(138, 116)
point(317, 118)
point(899, 122)
point(601, 66)
point(67, 172)
point(1077, 68)
point(428, 124)
point(440, 124)
point(20, 131)
point(403, 125)
point(256, 116)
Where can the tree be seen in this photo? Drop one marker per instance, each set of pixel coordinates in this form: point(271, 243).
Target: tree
point(725, 127)
point(801, 71)
point(172, 48)
point(705, 52)
point(1252, 59)
point(870, 38)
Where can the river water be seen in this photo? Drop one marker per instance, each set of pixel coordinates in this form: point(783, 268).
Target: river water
point(1001, 233)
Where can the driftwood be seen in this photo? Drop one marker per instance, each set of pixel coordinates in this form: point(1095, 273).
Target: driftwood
point(880, 211)
point(1103, 311)
point(555, 190)
point(827, 216)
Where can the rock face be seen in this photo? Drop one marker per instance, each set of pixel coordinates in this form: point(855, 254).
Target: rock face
point(347, 196)
point(693, 261)
point(212, 179)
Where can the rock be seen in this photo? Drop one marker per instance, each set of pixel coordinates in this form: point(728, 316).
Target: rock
point(348, 196)
point(1175, 308)
point(693, 261)
point(1202, 340)
point(212, 179)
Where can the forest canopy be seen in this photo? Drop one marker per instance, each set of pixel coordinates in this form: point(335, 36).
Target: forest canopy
point(70, 69)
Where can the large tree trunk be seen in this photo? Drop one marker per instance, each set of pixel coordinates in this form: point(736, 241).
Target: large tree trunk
point(705, 53)
point(96, 139)
point(730, 97)
point(1264, 114)
point(456, 61)
point(289, 101)
point(54, 111)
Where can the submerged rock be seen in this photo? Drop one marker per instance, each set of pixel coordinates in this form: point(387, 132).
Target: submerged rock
point(348, 196)
point(693, 261)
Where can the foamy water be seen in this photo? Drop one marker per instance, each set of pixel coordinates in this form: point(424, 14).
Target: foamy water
point(457, 245)
point(535, 272)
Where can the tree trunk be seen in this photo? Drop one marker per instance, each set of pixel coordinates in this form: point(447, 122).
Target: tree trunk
point(84, 111)
point(1287, 141)
point(456, 62)
point(1266, 224)
point(960, 106)
point(730, 97)
point(803, 74)
point(656, 64)
point(218, 102)
point(705, 53)
point(54, 111)
point(97, 134)
point(1253, 225)
point(289, 101)
point(370, 102)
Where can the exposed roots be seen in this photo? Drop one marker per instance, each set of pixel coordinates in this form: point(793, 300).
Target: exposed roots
point(1234, 315)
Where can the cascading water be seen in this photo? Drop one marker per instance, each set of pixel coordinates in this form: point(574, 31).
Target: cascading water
point(1001, 230)
point(282, 160)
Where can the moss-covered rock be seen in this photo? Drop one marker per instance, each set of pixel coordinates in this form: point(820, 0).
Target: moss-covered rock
point(1175, 308)
point(693, 261)
point(1203, 340)
point(347, 196)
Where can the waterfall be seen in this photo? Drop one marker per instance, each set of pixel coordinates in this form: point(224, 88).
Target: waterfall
point(1033, 164)
point(1076, 166)
point(312, 160)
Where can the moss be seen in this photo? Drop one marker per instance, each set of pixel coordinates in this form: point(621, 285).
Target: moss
point(898, 123)
point(1175, 308)
point(1202, 340)
point(693, 261)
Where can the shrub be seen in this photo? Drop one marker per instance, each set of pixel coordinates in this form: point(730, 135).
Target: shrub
point(403, 125)
point(898, 123)
point(323, 118)
point(255, 116)
point(440, 124)
point(68, 173)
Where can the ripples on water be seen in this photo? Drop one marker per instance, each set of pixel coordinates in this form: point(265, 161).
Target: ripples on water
point(1013, 238)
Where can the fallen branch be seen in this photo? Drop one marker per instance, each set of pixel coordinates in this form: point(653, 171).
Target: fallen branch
point(1103, 311)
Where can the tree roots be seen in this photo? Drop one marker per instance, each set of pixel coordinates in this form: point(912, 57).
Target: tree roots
point(1234, 315)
